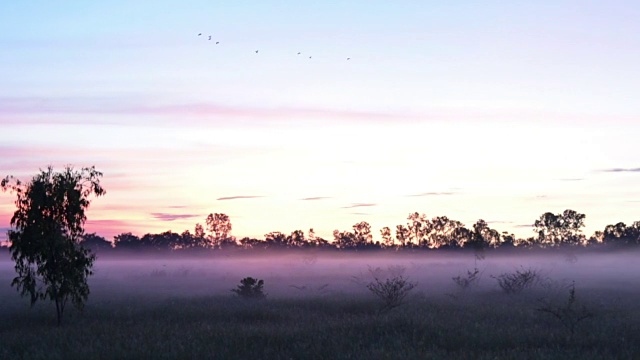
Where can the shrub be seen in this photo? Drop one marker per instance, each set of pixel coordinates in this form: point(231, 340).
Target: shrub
point(514, 283)
point(568, 314)
point(250, 288)
point(465, 281)
point(392, 291)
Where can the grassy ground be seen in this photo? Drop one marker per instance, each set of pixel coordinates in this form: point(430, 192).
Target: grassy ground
point(485, 326)
point(168, 322)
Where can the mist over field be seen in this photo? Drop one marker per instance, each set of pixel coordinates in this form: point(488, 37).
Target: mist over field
point(302, 274)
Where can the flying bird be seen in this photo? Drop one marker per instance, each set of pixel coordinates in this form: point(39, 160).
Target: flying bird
point(256, 51)
point(217, 42)
point(209, 37)
point(199, 34)
point(309, 57)
point(299, 52)
point(348, 58)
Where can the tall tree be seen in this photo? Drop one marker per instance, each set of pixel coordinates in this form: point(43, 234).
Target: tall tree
point(219, 226)
point(127, 241)
point(95, 242)
point(48, 226)
point(387, 239)
point(556, 229)
point(402, 235)
point(362, 232)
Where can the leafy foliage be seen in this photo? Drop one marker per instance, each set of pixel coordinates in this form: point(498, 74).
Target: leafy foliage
point(49, 224)
point(250, 288)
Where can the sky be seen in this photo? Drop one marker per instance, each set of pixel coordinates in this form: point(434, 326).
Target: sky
point(467, 109)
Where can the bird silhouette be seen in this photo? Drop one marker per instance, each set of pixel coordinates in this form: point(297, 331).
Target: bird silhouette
point(299, 52)
point(209, 37)
point(348, 58)
point(256, 51)
point(199, 34)
point(309, 57)
point(217, 42)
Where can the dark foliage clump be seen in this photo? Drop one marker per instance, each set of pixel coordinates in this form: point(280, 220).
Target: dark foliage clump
point(250, 288)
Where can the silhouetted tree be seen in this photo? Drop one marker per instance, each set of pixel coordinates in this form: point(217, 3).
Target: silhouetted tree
point(296, 239)
point(440, 232)
point(387, 239)
point(362, 232)
point(47, 228)
point(344, 239)
point(621, 234)
point(418, 225)
point(127, 241)
point(508, 240)
point(219, 226)
point(402, 235)
point(95, 243)
point(275, 239)
point(484, 236)
point(556, 229)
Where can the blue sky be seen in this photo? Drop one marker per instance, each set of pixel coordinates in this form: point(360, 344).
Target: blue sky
point(466, 109)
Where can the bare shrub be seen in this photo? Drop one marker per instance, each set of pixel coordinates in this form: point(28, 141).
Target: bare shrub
point(514, 283)
point(378, 273)
point(250, 288)
point(569, 314)
point(392, 291)
point(472, 278)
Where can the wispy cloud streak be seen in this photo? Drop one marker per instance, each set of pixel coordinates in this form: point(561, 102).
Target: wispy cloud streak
point(239, 197)
point(433, 193)
point(143, 106)
point(172, 217)
point(617, 170)
point(316, 198)
point(358, 205)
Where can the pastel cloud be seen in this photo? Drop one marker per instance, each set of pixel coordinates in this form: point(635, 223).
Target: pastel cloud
point(172, 217)
point(617, 170)
point(239, 197)
point(435, 193)
point(358, 205)
point(142, 106)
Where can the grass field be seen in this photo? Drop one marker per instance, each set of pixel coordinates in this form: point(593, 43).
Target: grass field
point(167, 309)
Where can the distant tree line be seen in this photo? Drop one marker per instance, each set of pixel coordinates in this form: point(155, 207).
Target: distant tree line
point(420, 232)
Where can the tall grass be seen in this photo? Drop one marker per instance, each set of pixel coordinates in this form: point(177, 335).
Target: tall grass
point(336, 327)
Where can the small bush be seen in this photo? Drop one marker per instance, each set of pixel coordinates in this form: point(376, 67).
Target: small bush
point(514, 283)
point(465, 281)
point(568, 314)
point(250, 288)
point(391, 291)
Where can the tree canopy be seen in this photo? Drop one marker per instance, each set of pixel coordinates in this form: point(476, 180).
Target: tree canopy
point(47, 228)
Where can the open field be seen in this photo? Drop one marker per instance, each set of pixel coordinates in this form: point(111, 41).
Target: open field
point(319, 308)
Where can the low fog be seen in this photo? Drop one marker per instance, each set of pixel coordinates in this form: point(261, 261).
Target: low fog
point(346, 274)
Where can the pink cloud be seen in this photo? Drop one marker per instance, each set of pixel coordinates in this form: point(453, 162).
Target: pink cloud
point(11, 107)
